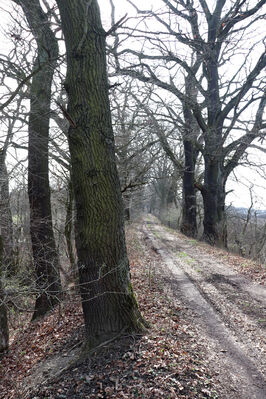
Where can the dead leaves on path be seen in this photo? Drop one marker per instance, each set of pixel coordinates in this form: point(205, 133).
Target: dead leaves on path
point(166, 362)
point(34, 344)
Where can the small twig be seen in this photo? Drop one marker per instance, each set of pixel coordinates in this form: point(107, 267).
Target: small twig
point(114, 85)
point(116, 25)
point(79, 343)
point(21, 84)
point(66, 114)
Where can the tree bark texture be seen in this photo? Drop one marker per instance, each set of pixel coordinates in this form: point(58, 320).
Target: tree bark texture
point(214, 183)
point(108, 301)
point(190, 137)
point(3, 311)
point(189, 205)
point(44, 251)
point(215, 229)
point(127, 199)
point(69, 223)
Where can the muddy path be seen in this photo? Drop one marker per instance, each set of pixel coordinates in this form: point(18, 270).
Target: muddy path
point(228, 310)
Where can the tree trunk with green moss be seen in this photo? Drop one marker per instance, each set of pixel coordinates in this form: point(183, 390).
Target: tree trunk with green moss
point(190, 137)
point(108, 301)
point(189, 206)
point(213, 192)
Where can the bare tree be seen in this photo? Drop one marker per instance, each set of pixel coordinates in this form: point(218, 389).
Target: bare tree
point(107, 298)
point(136, 143)
point(6, 222)
point(210, 36)
point(185, 133)
point(45, 256)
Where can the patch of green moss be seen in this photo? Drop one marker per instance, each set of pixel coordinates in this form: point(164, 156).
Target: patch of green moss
point(182, 254)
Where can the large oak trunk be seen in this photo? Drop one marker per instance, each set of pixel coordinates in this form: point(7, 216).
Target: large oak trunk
point(190, 137)
point(107, 298)
point(189, 206)
point(215, 231)
point(44, 252)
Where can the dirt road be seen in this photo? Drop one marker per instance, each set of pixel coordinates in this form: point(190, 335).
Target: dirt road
point(227, 309)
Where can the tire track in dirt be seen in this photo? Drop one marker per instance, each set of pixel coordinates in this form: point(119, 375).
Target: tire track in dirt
point(234, 335)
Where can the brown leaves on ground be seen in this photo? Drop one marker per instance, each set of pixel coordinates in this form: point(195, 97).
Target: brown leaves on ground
point(253, 270)
point(165, 362)
point(36, 343)
point(248, 267)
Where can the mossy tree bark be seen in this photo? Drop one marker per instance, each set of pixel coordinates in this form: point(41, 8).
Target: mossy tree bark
point(213, 192)
point(108, 301)
point(190, 137)
point(45, 255)
point(189, 205)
